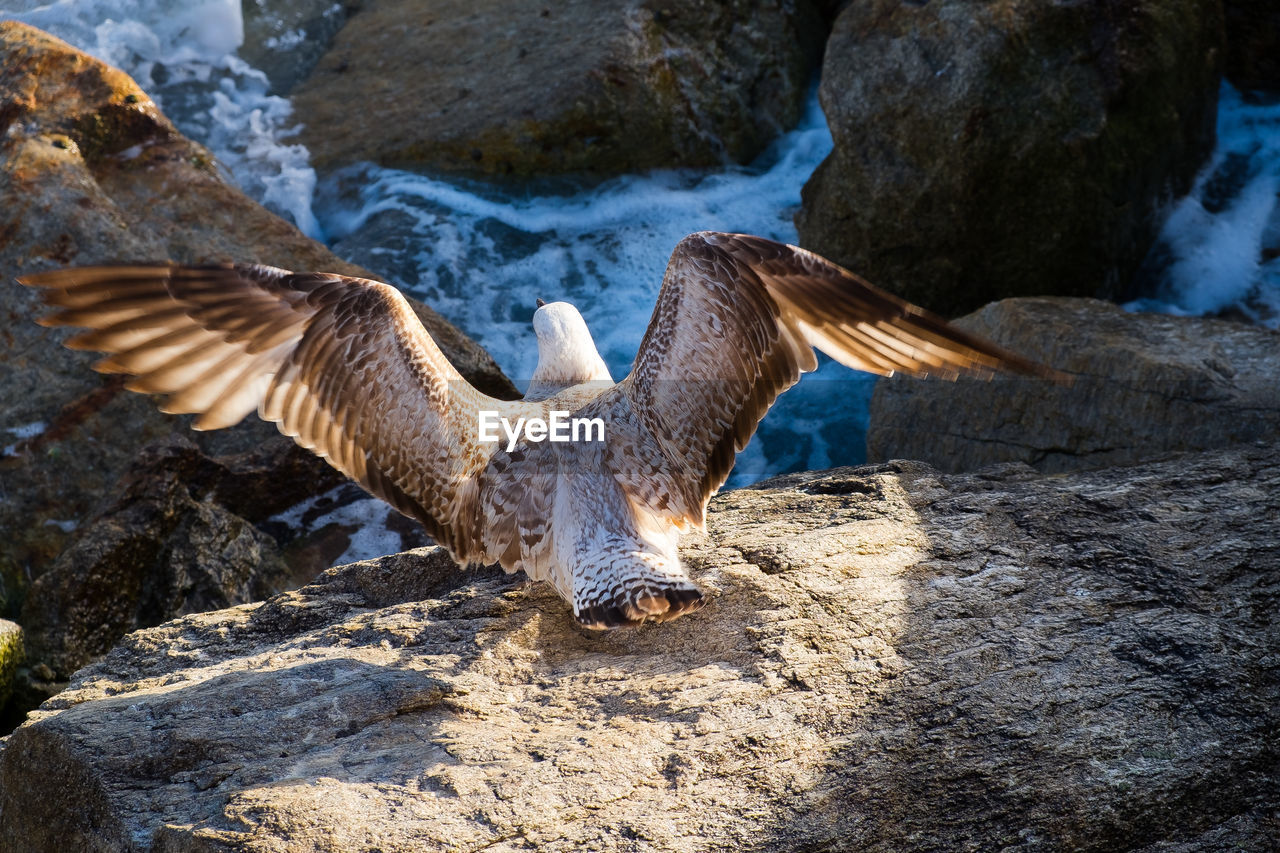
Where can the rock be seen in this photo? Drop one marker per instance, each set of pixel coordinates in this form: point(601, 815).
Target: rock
point(1080, 661)
point(175, 540)
point(987, 150)
point(284, 39)
point(184, 533)
point(1146, 385)
point(91, 172)
point(507, 87)
point(1253, 44)
point(11, 654)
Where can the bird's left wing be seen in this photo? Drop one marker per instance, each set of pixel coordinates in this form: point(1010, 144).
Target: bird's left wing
point(734, 326)
point(341, 364)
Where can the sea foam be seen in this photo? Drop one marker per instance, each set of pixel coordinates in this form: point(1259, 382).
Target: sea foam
point(1219, 249)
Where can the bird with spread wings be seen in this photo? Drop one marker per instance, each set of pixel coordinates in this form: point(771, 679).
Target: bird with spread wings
point(343, 366)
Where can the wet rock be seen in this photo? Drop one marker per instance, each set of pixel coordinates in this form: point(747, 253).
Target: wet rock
point(508, 87)
point(1080, 661)
point(1146, 385)
point(1253, 44)
point(92, 172)
point(987, 150)
point(284, 39)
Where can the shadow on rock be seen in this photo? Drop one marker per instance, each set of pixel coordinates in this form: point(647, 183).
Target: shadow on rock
point(1085, 665)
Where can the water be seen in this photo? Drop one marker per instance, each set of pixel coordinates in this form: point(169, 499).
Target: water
point(479, 256)
point(21, 433)
point(1219, 249)
point(347, 506)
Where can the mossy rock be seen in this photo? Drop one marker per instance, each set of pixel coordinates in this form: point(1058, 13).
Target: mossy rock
point(10, 656)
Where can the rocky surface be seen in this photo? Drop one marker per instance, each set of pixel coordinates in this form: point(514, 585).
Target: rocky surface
point(892, 659)
point(1146, 385)
point(1253, 44)
point(986, 150)
point(184, 532)
point(511, 87)
point(91, 172)
point(178, 537)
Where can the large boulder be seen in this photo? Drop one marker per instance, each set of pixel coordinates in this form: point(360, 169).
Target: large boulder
point(892, 659)
point(186, 533)
point(92, 172)
point(1146, 385)
point(1253, 44)
point(512, 87)
point(986, 150)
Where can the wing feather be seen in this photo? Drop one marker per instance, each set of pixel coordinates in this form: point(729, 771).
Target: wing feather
point(341, 364)
point(735, 324)
point(142, 352)
point(240, 397)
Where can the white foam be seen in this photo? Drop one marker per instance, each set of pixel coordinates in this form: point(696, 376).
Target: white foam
point(1209, 256)
point(368, 516)
point(182, 53)
point(21, 433)
point(26, 431)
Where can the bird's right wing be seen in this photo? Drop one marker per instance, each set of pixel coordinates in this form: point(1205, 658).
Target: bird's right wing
point(340, 364)
point(735, 325)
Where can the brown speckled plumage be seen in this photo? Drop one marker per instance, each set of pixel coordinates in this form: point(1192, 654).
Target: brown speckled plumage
point(344, 366)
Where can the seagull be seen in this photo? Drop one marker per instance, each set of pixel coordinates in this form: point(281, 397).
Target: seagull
point(344, 367)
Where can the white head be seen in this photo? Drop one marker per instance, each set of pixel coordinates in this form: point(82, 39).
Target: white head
point(567, 355)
